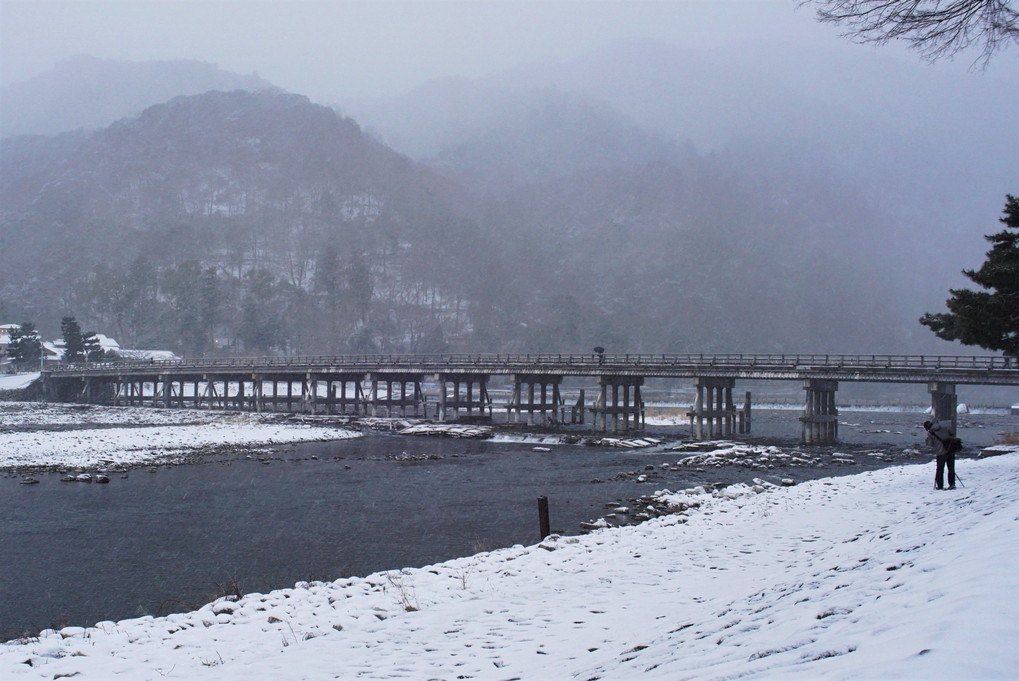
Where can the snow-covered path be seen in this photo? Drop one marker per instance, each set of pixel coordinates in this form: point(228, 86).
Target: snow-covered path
point(868, 576)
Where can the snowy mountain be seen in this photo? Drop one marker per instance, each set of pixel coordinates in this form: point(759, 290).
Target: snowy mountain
point(543, 220)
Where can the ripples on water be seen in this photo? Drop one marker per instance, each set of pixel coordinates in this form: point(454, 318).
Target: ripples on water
point(164, 541)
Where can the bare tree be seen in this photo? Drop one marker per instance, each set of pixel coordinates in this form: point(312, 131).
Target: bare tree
point(935, 28)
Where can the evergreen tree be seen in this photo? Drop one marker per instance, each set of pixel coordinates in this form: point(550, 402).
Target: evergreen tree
point(988, 319)
point(210, 301)
point(262, 327)
point(193, 302)
point(74, 348)
point(25, 348)
point(92, 348)
point(359, 288)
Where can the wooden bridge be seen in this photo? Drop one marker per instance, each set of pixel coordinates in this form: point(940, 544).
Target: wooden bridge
point(391, 385)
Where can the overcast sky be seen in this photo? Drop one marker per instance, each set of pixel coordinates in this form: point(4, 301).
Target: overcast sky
point(356, 48)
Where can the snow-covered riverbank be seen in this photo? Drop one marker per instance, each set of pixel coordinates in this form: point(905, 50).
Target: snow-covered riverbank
point(17, 381)
point(867, 576)
point(77, 437)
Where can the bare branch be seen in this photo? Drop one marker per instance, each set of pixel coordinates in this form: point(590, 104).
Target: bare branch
point(935, 28)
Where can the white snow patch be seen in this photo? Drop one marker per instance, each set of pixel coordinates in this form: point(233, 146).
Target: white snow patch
point(790, 582)
point(166, 434)
point(17, 381)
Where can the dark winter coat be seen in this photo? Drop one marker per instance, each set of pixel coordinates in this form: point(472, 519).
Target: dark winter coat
point(936, 436)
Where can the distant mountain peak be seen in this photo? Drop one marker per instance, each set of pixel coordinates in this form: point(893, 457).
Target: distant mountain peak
point(90, 92)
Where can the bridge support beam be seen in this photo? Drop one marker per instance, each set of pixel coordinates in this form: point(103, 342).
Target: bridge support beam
point(713, 413)
point(396, 394)
point(241, 398)
point(820, 415)
point(944, 403)
point(577, 410)
point(257, 392)
point(619, 396)
point(309, 393)
point(743, 417)
point(472, 399)
point(549, 405)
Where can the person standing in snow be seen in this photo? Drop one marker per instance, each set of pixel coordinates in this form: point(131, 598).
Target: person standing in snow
point(937, 435)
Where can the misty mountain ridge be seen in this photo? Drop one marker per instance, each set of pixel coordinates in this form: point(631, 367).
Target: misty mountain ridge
point(938, 143)
point(542, 134)
point(929, 152)
point(710, 97)
point(261, 193)
point(264, 223)
point(89, 92)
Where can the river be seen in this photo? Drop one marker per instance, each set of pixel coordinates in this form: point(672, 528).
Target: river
point(170, 538)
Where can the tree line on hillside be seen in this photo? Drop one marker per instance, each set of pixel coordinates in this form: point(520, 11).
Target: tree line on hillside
point(240, 223)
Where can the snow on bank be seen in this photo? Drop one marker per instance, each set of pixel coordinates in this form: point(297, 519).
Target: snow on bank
point(867, 576)
point(44, 415)
point(998, 450)
point(17, 381)
point(73, 437)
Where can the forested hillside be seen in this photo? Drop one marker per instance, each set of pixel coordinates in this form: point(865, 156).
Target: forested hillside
point(262, 223)
point(853, 187)
point(257, 220)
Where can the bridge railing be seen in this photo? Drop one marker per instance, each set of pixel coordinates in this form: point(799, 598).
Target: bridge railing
point(538, 361)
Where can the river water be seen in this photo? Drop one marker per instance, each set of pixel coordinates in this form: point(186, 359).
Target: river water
point(171, 538)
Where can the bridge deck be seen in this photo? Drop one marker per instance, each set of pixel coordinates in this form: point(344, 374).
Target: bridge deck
point(975, 370)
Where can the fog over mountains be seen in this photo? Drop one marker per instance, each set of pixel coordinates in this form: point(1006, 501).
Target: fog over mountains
point(941, 139)
point(643, 198)
point(86, 92)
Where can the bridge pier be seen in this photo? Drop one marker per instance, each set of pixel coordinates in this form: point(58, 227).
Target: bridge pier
point(743, 417)
point(217, 399)
point(820, 415)
point(241, 397)
point(713, 413)
point(275, 395)
point(257, 393)
point(548, 387)
point(311, 400)
point(470, 401)
point(578, 409)
point(163, 391)
point(336, 399)
point(608, 403)
point(86, 390)
point(391, 403)
point(222, 401)
point(944, 403)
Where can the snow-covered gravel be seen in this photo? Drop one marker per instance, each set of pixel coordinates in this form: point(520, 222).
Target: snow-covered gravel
point(43, 415)
point(862, 577)
point(34, 436)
